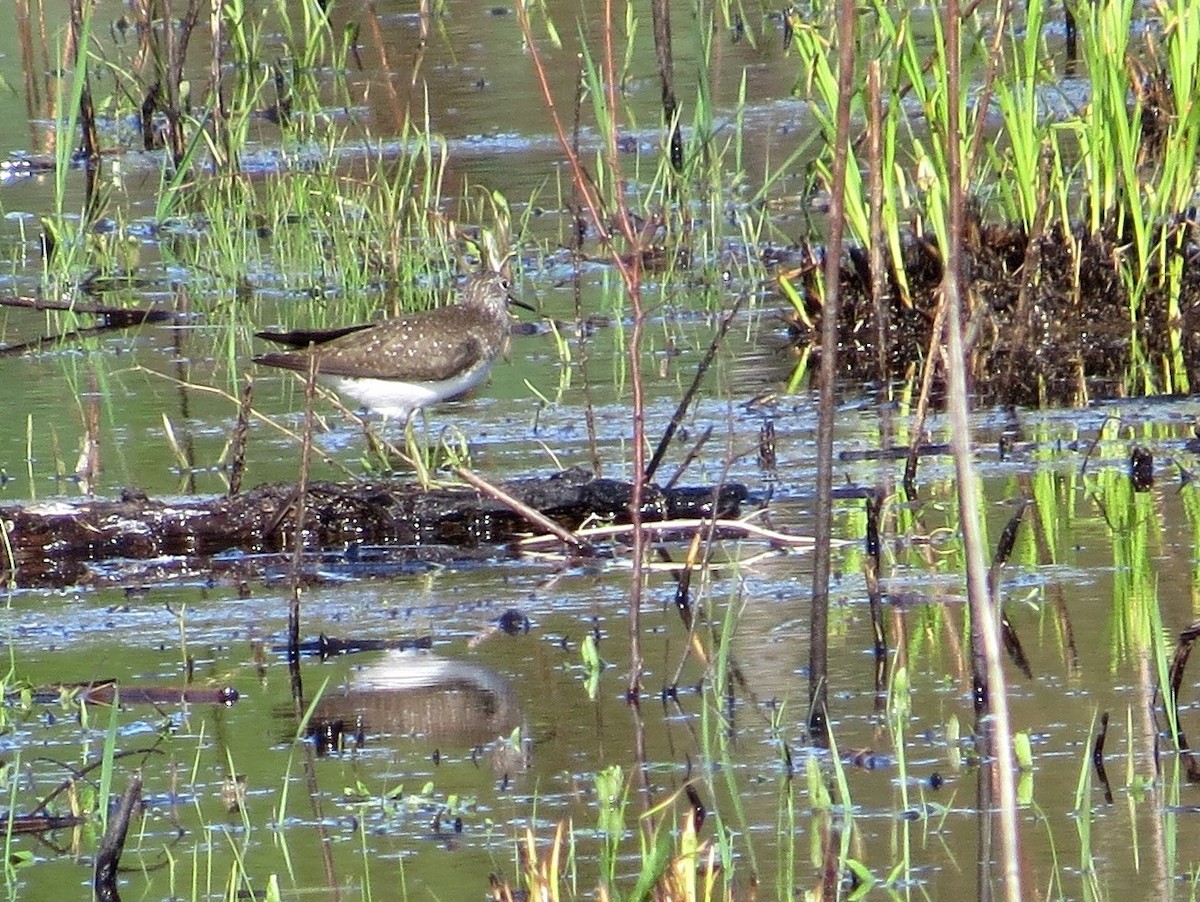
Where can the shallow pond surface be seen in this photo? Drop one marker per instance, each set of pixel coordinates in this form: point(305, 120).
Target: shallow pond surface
point(417, 772)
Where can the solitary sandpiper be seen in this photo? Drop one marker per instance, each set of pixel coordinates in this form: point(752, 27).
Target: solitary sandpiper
point(397, 366)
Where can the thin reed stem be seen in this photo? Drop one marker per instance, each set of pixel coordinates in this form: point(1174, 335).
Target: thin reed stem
point(818, 657)
point(984, 618)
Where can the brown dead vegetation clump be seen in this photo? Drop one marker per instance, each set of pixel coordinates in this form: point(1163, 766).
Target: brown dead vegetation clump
point(1047, 322)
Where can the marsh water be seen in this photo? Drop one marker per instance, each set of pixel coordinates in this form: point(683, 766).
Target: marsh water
point(417, 772)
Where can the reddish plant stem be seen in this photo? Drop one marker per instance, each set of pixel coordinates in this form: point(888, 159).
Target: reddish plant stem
point(583, 182)
point(629, 266)
point(633, 287)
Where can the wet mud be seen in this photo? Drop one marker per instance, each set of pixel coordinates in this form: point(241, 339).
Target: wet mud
point(1049, 321)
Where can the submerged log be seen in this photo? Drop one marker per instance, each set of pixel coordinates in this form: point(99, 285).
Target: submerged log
point(52, 542)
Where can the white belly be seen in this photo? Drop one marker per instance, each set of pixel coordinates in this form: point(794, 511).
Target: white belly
point(400, 400)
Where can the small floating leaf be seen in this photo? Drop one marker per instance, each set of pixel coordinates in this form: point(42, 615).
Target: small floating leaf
point(610, 791)
point(590, 654)
point(818, 792)
point(1023, 750)
point(1025, 788)
point(953, 735)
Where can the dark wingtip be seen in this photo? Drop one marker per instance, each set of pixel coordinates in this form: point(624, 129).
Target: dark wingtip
point(302, 338)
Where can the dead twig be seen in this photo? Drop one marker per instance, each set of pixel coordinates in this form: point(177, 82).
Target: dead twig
point(743, 527)
point(535, 517)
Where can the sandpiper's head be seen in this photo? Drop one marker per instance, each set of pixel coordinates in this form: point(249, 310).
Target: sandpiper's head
point(489, 291)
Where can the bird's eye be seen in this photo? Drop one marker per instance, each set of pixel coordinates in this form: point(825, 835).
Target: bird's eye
point(505, 284)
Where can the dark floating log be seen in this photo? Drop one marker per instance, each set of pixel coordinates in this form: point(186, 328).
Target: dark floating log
point(925, 450)
point(330, 646)
point(106, 691)
point(52, 543)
